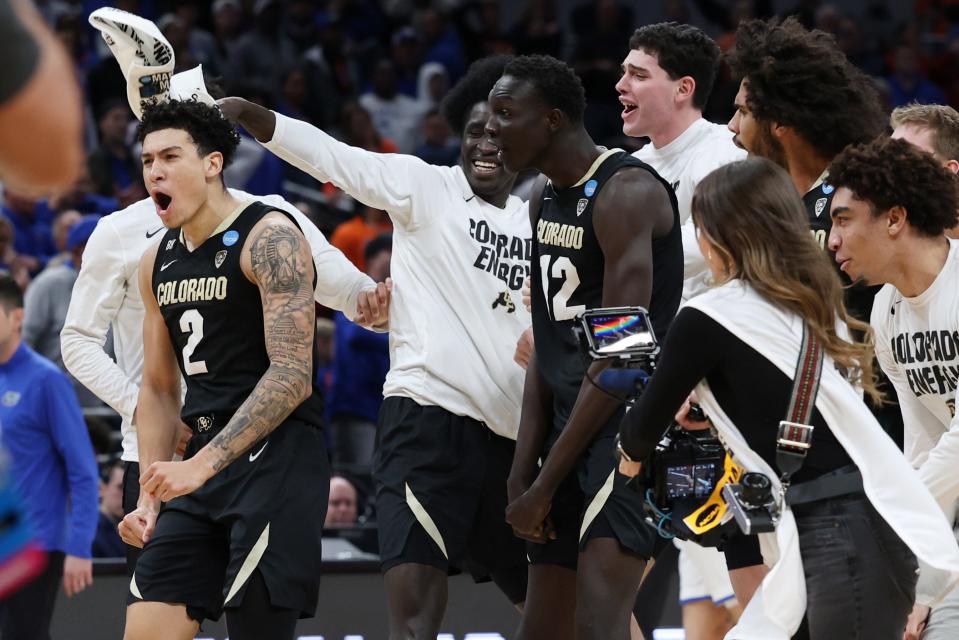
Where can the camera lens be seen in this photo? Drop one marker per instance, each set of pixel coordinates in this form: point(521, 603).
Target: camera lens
point(756, 489)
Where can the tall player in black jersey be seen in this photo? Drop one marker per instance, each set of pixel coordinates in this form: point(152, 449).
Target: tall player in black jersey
point(603, 224)
point(229, 304)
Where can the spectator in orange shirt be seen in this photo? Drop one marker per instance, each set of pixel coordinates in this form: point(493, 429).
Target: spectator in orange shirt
point(351, 236)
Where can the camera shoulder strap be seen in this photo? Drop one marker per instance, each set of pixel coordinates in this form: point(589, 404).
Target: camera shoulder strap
point(794, 437)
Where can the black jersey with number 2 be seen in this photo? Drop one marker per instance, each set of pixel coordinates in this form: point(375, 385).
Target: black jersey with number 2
point(567, 275)
point(214, 315)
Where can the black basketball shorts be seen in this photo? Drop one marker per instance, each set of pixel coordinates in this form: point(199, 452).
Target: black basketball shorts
point(263, 512)
point(441, 495)
point(593, 501)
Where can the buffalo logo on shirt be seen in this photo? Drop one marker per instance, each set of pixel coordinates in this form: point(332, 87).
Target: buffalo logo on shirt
point(10, 398)
point(506, 300)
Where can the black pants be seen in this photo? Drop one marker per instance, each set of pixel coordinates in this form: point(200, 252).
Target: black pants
point(860, 577)
point(26, 614)
point(131, 493)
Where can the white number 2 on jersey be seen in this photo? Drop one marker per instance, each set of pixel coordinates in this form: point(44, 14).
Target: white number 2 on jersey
point(562, 269)
point(192, 322)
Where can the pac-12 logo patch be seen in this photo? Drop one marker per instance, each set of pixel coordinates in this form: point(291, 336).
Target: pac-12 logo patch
point(219, 258)
point(821, 206)
point(203, 423)
point(230, 237)
point(506, 300)
point(10, 398)
point(169, 244)
point(590, 188)
point(581, 206)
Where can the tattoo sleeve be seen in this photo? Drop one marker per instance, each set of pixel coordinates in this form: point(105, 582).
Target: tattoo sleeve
point(283, 269)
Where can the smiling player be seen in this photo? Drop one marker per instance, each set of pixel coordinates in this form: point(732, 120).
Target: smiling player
point(461, 247)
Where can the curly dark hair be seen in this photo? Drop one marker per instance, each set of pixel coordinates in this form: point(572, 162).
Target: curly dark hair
point(888, 173)
point(556, 82)
point(801, 79)
point(472, 88)
point(681, 50)
point(205, 124)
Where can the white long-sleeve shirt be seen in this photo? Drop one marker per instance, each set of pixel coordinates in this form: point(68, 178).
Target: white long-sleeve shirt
point(917, 344)
point(107, 293)
point(458, 265)
point(683, 163)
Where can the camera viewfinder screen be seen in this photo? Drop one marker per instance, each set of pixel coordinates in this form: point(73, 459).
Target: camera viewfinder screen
point(612, 334)
point(691, 480)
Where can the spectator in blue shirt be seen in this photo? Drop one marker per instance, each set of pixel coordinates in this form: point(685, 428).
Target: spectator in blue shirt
point(52, 466)
point(32, 222)
point(360, 362)
point(908, 83)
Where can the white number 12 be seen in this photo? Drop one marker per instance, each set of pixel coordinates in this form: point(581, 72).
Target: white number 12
point(563, 269)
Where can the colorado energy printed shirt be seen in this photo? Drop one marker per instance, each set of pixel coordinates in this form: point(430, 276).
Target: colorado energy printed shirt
point(917, 344)
point(458, 266)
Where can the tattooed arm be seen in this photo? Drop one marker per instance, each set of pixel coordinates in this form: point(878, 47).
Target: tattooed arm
point(276, 257)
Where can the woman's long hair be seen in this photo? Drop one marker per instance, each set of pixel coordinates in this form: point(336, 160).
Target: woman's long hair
point(751, 214)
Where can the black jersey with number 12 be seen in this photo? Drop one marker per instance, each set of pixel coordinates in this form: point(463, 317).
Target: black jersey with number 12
point(567, 275)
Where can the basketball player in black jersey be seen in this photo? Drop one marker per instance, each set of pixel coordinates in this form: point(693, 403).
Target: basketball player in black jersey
point(603, 224)
point(800, 103)
point(228, 296)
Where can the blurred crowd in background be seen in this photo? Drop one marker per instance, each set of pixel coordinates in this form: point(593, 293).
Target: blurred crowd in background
point(373, 73)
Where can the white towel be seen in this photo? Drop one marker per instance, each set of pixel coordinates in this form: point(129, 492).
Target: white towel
point(891, 484)
point(147, 61)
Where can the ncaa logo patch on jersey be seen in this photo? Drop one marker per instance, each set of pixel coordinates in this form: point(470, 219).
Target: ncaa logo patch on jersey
point(827, 188)
point(11, 398)
point(821, 206)
point(230, 237)
point(219, 258)
point(590, 188)
point(581, 206)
